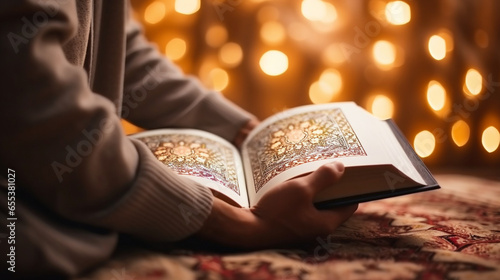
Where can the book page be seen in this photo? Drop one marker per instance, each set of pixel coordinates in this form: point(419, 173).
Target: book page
point(397, 155)
point(203, 157)
point(300, 140)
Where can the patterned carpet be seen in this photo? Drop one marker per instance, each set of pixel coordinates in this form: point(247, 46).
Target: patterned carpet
point(451, 233)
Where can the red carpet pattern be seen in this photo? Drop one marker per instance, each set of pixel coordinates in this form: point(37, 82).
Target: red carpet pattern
point(451, 233)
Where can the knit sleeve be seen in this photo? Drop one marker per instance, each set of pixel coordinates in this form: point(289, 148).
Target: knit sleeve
point(65, 141)
point(159, 205)
point(158, 94)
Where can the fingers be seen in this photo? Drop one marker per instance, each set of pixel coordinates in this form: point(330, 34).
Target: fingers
point(333, 218)
point(339, 212)
point(288, 212)
point(325, 176)
point(244, 131)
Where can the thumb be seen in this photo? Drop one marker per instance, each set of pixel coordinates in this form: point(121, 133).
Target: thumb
point(325, 176)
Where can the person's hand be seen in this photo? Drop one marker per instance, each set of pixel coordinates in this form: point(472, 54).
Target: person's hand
point(283, 216)
point(287, 210)
point(244, 131)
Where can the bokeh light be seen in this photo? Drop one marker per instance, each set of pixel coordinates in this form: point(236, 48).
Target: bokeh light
point(176, 48)
point(231, 54)
point(313, 10)
point(155, 12)
point(473, 82)
point(437, 47)
point(332, 80)
point(424, 143)
point(319, 94)
point(219, 78)
point(204, 72)
point(318, 10)
point(398, 12)
point(460, 133)
point(384, 53)
point(187, 7)
point(327, 87)
point(448, 39)
point(436, 95)
point(382, 106)
point(216, 35)
point(272, 32)
point(331, 13)
point(490, 139)
point(274, 63)
point(333, 55)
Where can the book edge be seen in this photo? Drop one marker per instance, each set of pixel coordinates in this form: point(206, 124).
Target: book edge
point(431, 183)
point(410, 153)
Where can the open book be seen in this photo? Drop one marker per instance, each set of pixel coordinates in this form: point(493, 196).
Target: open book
point(379, 162)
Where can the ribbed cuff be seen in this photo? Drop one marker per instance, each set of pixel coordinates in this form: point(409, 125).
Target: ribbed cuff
point(160, 205)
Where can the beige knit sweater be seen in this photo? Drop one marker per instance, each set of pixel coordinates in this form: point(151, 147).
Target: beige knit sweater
point(69, 69)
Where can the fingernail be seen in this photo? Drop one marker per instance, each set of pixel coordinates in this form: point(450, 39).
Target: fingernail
point(339, 166)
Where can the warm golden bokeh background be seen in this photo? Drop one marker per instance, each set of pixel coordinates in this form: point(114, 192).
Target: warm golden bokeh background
point(432, 66)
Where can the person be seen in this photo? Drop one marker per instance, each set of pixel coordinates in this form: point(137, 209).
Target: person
point(72, 181)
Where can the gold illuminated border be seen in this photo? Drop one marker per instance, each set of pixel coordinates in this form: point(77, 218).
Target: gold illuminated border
point(195, 156)
point(299, 139)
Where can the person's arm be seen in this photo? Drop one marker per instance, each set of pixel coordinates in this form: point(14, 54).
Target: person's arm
point(66, 143)
point(284, 216)
point(157, 94)
point(67, 146)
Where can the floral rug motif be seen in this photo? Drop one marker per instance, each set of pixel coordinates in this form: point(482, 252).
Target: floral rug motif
point(451, 233)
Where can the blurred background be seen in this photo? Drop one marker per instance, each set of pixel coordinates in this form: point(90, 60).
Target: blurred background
point(432, 66)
